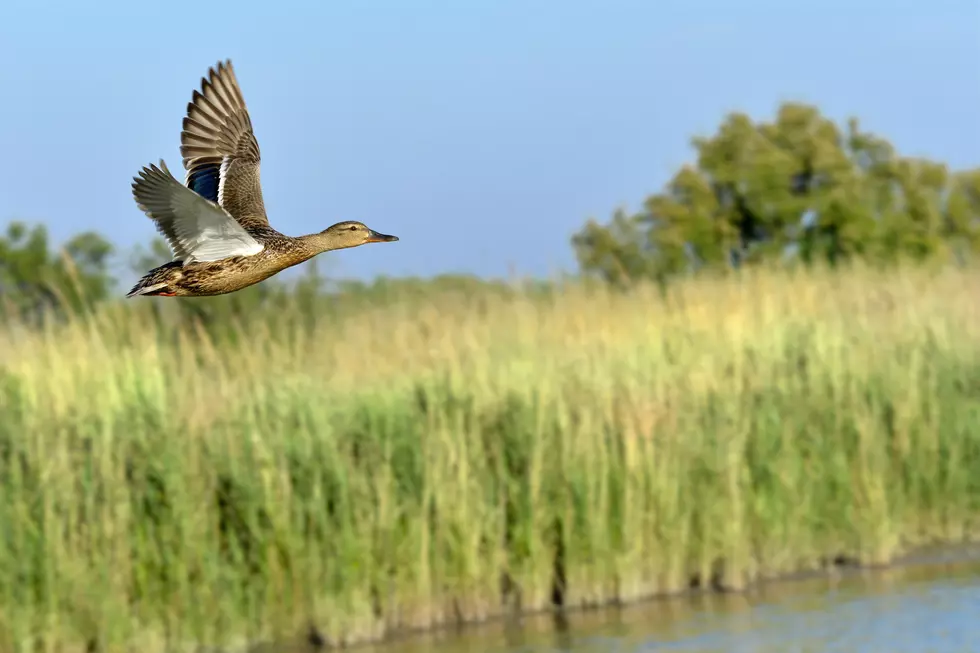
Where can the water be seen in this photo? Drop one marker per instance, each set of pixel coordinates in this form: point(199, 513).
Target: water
point(931, 607)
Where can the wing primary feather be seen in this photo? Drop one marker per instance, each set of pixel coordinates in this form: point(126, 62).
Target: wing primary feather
point(219, 148)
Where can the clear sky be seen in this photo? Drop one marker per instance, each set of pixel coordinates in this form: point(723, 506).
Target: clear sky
point(483, 133)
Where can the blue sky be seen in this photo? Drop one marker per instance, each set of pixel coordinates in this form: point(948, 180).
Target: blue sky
point(483, 133)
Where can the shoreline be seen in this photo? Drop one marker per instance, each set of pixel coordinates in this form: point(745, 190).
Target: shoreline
point(840, 567)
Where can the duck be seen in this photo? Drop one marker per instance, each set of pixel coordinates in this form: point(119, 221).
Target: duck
point(215, 222)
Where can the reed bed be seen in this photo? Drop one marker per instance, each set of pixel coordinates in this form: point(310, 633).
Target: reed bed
point(470, 456)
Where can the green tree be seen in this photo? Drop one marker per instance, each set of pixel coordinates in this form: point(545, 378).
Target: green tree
point(796, 186)
point(35, 280)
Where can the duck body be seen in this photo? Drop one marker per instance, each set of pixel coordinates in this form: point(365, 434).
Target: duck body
point(226, 275)
point(209, 278)
point(216, 223)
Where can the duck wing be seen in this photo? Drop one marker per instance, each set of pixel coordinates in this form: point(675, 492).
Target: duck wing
point(220, 152)
point(196, 228)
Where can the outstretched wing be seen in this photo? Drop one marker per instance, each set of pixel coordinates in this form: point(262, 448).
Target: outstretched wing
point(219, 148)
point(196, 228)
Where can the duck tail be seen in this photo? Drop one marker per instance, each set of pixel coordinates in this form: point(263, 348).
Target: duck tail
point(158, 282)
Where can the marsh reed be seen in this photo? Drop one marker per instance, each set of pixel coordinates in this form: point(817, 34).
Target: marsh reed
point(428, 462)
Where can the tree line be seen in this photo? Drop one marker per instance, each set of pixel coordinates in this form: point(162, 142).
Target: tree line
point(798, 189)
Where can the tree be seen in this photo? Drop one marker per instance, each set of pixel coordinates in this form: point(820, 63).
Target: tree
point(797, 186)
point(34, 280)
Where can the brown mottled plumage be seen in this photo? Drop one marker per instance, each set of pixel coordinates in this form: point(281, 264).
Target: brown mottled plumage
point(216, 224)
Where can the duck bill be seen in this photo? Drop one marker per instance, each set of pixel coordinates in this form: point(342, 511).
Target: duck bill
point(375, 237)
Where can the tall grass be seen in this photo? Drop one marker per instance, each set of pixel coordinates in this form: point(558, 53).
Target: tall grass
point(430, 462)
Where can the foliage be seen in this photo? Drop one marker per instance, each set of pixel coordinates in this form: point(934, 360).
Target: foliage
point(797, 187)
point(34, 280)
point(471, 454)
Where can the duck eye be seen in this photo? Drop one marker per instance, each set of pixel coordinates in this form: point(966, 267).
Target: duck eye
point(353, 227)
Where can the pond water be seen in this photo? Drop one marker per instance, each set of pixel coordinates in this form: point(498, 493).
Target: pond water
point(932, 606)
